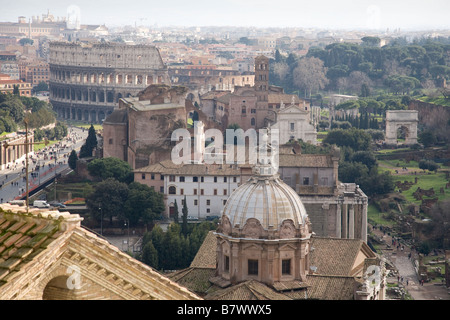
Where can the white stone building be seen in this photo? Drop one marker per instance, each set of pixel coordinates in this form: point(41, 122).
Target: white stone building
point(293, 122)
point(206, 187)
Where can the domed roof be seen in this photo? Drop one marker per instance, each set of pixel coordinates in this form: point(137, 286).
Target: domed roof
point(269, 203)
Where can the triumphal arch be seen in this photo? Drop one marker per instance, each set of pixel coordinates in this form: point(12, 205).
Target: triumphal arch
point(406, 120)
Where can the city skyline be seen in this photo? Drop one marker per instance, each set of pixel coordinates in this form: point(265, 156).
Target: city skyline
point(362, 15)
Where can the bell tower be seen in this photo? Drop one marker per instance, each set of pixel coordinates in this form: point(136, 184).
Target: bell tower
point(261, 90)
point(262, 81)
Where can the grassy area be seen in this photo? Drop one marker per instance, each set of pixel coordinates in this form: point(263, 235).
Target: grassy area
point(83, 125)
point(425, 181)
point(376, 217)
point(75, 190)
point(41, 145)
point(437, 100)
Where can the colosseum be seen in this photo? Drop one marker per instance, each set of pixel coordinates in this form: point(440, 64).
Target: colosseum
point(87, 80)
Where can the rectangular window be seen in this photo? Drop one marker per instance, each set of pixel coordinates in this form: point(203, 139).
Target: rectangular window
point(195, 179)
point(224, 179)
point(152, 176)
point(181, 179)
point(161, 189)
point(208, 202)
point(226, 266)
point(162, 177)
point(143, 176)
point(292, 126)
point(234, 179)
point(252, 267)
point(306, 181)
point(195, 202)
point(202, 179)
point(195, 191)
point(172, 178)
point(286, 266)
point(215, 192)
point(224, 192)
point(202, 191)
point(215, 179)
point(181, 191)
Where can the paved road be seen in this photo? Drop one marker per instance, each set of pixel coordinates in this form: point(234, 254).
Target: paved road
point(12, 181)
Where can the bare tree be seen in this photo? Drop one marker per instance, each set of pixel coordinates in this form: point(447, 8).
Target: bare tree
point(310, 75)
point(281, 70)
point(356, 79)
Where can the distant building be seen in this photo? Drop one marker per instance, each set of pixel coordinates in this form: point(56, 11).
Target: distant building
point(7, 85)
point(293, 123)
point(12, 154)
point(249, 106)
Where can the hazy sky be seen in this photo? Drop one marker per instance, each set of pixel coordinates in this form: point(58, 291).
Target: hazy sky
point(338, 14)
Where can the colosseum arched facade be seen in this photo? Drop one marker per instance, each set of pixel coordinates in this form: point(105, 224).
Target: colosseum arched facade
point(87, 80)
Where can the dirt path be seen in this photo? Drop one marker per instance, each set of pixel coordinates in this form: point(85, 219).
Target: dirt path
point(404, 265)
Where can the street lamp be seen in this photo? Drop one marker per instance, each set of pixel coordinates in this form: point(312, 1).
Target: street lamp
point(127, 223)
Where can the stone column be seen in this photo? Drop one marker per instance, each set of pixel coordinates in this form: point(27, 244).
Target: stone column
point(338, 219)
point(351, 222)
point(345, 221)
point(364, 222)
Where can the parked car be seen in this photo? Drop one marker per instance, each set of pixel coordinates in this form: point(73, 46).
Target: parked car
point(212, 218)
point(192, 218)
point(57, 204)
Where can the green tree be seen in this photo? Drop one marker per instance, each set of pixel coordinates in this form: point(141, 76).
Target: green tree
point(143, 204)
point(427, 138)
point(108, 198)
point(72, 161)
point(16, 91)
point(90, 144)
point(14, 108)
point(184, 217)
point(365, 157)
point(111, 167)
point(150, 255)
point(42, 86)
point(356, 139)
point(176, 212)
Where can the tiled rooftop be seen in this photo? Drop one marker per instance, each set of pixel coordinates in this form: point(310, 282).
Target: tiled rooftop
point(24, 235)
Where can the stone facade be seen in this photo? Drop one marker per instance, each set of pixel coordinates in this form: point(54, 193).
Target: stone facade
point(139, 130)
point(87, 81)
point(405, 119)
point(293, 123)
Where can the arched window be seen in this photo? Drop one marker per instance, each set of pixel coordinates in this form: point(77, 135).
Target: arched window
point(172, 190)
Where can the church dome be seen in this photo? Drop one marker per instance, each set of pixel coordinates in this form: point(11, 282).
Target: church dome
point(265, 207)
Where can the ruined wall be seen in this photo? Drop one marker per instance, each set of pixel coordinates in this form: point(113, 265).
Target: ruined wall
point(432, 116)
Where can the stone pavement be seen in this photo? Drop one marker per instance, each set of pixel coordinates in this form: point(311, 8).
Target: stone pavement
point(405, 268)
